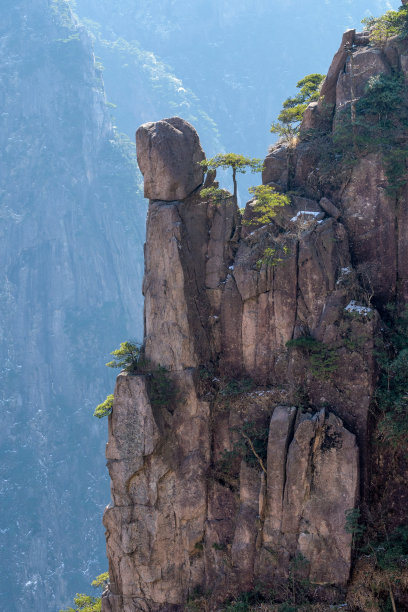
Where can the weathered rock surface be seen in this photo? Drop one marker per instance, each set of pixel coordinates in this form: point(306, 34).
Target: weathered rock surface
point(188, 250)
point(168, 338)
point(243, 479)
point(133, 435)
point(280, 435)
point(371, 221)
point(276, 167)
point(328, 89)
point(351, 83)
point(312, 475)
point(159, 493)
point(330, 208)
point(171, 530)
point(168, 153)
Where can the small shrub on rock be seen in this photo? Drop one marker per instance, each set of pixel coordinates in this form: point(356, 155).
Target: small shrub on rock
point(291, 115)
point(391, 394)
point(322, 358)
point(88, 603)
point(392, 23)
point(237, 163)
point(381, 574)
point(214, 195)
point(267, 203)
point(104, 409)
point(161, 388)
point(273, 256)
point(236, 386)
point(129, 357)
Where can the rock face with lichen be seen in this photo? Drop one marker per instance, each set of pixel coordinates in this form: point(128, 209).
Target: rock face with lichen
point(245, 477)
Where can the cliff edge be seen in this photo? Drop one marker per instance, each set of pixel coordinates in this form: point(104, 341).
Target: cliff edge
point(246, 475)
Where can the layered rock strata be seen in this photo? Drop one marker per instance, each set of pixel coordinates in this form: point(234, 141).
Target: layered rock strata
point(267, 333)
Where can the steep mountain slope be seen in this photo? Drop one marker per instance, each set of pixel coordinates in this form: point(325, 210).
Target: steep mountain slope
point(71, 225)
point(280, 431)
point(72, 233)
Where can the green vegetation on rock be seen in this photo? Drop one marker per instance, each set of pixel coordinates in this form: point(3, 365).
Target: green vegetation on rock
point(322, 358)
point(214, 194)
point(88, 603)
point(129, 357)
point(161, 388)
point(392, 23)
point(237, 163)
point(267, 203)
point(376, 123)
point(382, 125)
point(273, 256)
point(392, 391)
point(294, 595)
point(381, 572)
point(250, 445)
point(354, 525)
point(105, 408)
point(291, 115)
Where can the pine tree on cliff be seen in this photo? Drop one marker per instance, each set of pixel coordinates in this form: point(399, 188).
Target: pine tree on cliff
point(291, 115)
point(238, 163)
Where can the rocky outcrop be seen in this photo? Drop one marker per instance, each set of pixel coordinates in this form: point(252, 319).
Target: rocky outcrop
point(168, 153)
point(158, 466)
point(366, 62)
point(373, 215)
point(312, 476)
point(329, 85)
point(248, 473)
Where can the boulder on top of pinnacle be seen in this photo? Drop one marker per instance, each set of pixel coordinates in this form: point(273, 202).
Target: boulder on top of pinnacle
point(168, 154)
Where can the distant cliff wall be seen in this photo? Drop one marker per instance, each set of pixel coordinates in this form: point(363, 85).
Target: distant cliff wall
point(70, 290)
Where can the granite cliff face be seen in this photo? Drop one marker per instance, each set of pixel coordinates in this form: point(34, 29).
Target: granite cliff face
point(252, 467)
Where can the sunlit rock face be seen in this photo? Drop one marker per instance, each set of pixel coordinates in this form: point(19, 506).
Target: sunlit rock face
point(169, 154)
point(253, 465)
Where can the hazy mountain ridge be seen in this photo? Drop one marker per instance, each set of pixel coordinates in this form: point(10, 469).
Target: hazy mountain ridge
point(72, 227)
point(240, 59)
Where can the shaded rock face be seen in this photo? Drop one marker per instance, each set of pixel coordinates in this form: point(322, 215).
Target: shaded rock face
point(168, 153)
point(235, 483)
point(351, 83)
point(375, 220)
point(172, 529)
